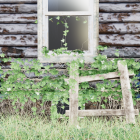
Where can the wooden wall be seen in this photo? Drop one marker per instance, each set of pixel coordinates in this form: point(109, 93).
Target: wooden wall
point(119, 28)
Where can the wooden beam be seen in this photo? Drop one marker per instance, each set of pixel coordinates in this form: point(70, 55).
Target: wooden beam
point(110, 75)
point(102, 112)
point(126, 93)
point(82, 13)
point(74, 96)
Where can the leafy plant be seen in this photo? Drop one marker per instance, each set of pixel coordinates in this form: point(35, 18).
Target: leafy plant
point(54, 90)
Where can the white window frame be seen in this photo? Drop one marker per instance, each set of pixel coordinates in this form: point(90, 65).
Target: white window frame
point(93, 31)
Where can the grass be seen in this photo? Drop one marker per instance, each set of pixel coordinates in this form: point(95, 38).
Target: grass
point(15, 127)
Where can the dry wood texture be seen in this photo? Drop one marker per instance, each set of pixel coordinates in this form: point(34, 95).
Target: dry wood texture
point(127, 95)
point(74, 96)
point(102, 112)
point(127, 98)
point(110, 75)
point(18, 1)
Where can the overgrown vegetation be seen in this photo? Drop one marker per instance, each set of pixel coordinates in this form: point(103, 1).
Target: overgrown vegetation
point(15, 128)
point(21, 128)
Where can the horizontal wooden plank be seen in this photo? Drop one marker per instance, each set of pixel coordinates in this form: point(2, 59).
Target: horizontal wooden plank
point(19, 52)
point(109, 39)
point(60, 71)
point(124, 52)
point(102, 112)
point(114, 1)
point(103, 18)
point(18, 1)
point(119, 17)
point(18, 40)
point(119, 40)
point(28, 62)
point(109, 75)
point(32, 75)
point(18, 29)
point(35, 1)
point(31, 52)
point(104, 28)
point(103, 7)
point(119, 7)
point(119, 28)
point(18, 8)
point(18, 18)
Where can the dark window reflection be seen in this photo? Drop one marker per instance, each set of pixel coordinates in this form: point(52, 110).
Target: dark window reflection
point(77, 37)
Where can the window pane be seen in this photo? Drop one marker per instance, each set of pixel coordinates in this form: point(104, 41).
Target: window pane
point(68, 5)
point(77, 36)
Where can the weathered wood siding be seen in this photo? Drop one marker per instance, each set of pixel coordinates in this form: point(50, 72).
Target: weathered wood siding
point(119, 28)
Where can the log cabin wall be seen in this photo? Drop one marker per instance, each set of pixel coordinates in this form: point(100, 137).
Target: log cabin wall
point(119, 28)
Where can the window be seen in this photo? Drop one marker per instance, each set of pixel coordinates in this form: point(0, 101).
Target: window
point(80, 36)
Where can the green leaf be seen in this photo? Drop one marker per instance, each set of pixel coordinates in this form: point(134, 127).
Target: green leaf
point(58, 18)
point(2, 55)
point(123, 63)
point(36, 21)
point(5, 59)
point(58, 23)
point(51, 19)
point(85, 22)
point(65, 24)
point(85, 85)
point(62, 107)
point(77, 19)
point(65, 44)
point(103, 106)
point(53, 71)
point(63, 40)
point(105, 100)
point(131, 71)
point(33, 100)
point(117, 54)
point(65, 32)
point(62, 22)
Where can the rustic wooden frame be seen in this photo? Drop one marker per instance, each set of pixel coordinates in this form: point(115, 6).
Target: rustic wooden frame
point(128, 110)
point(93, 31)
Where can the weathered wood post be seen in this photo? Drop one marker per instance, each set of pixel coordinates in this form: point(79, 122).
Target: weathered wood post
point(126, 93)
point(73, 105)
point(128, 110)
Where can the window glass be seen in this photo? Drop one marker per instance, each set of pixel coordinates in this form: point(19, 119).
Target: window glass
point(77, 36)
point(67, 5)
